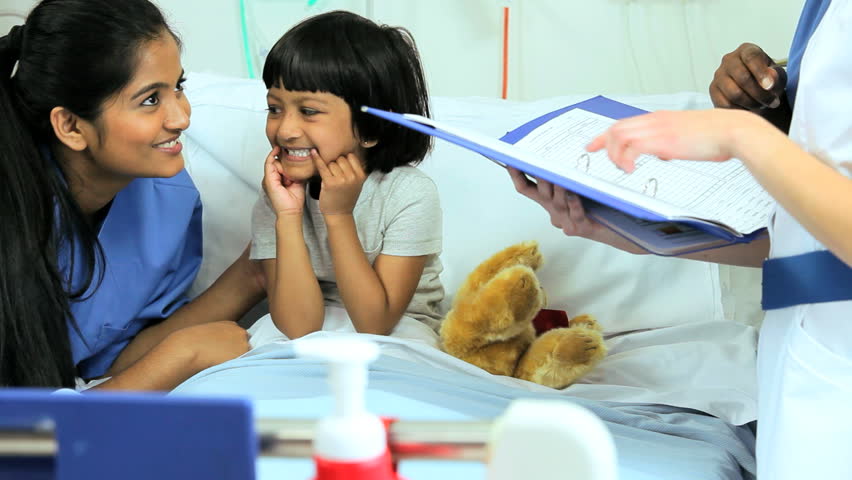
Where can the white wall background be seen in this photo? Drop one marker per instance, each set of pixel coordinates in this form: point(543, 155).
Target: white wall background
point(556, 46)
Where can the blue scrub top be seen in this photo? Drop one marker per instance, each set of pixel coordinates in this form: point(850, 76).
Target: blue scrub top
point(151, 239)
point(812, 13)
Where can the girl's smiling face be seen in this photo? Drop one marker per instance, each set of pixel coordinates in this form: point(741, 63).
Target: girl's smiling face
point(299, 121)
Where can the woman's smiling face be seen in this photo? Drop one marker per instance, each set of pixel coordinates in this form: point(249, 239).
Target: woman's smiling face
point(138, 131)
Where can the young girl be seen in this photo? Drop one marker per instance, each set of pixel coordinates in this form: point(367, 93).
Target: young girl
point(804, 424)
point(347, 228)
point(101, 232)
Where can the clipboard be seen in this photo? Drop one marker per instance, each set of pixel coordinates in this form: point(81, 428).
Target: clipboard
point(616, 208)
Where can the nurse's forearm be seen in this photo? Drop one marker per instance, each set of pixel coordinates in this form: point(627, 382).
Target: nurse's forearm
point(233, 294)
point(162, 368)
point(750, 254)
point(814, 193)
point(295, 297)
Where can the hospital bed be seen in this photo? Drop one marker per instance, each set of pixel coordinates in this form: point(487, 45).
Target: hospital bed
point(676, 392)
point(677, 389)
point(104, 435)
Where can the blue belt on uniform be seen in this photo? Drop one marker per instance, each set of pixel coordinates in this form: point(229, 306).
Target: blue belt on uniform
point(814, 277)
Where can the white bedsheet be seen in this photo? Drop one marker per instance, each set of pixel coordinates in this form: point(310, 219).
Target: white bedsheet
point(655, 366)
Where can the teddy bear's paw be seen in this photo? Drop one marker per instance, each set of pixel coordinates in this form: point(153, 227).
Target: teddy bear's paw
point(561, 356)
point(502, 309)
point(586, 321)
point(499, 358)
point(524, 253)
point(510, 301)
point(498, 318)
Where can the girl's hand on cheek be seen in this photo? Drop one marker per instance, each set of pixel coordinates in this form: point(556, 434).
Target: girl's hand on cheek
point(285, 195)
point(342, 180)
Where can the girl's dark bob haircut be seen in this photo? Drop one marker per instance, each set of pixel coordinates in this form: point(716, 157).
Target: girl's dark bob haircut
point(363, 63)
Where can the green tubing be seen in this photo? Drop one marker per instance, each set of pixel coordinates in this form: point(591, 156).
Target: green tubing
point(244, 25)
point(246, 49)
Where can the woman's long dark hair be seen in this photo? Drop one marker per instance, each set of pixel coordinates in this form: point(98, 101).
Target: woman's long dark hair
point(75, 54)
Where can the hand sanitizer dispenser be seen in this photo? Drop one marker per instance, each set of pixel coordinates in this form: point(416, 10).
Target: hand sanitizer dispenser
point(351, 443)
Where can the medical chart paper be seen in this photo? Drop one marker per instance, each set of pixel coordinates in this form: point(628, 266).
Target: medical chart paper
point(723, 193)
point(666, 207)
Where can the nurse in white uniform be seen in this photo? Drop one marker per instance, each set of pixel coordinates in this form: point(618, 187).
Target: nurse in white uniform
point(805, 354)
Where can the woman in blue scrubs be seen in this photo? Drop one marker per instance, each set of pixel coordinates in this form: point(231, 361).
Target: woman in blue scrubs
point(101, 224)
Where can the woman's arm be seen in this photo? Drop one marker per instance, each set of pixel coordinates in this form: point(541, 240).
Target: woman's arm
point(179, 356)
point(814, 193)
point(235, 292)
point(376, 295)
point(750, 254)
point(295, 298)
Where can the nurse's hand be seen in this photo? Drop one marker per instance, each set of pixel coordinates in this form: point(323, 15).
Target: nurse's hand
point(342, 180)
point(286, 196)
point(710, 135)
point(748, 79)
point(567, 213)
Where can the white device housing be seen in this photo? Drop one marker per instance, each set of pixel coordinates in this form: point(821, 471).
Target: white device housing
point(549, 439)
point(350, 433)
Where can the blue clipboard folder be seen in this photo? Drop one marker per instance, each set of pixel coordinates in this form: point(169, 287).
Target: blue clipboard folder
point(629, 213)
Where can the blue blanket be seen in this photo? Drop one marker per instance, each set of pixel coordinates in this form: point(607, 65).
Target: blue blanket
point(653, 441)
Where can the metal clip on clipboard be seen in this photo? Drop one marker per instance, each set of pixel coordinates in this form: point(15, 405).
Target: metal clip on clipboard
point(584, 163)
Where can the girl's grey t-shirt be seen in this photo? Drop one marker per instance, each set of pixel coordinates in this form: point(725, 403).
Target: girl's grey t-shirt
point(397, 213)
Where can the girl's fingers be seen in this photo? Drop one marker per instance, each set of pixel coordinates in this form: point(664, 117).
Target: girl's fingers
point(344, 164)
point(273, 154)
point(269, 165)
point(270, 169)
point(319, 163)
point(356, 165)
point(336, 170)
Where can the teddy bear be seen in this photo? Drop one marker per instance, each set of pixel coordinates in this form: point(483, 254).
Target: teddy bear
point(490, 324)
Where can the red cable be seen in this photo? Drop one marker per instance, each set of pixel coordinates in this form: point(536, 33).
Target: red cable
point(505, 51)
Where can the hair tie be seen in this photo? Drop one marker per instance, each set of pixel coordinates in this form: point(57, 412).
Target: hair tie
point(15, 39)
point(11, 45)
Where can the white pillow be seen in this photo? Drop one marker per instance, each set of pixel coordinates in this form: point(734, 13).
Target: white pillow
point(224, 149)
point(482, 212)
